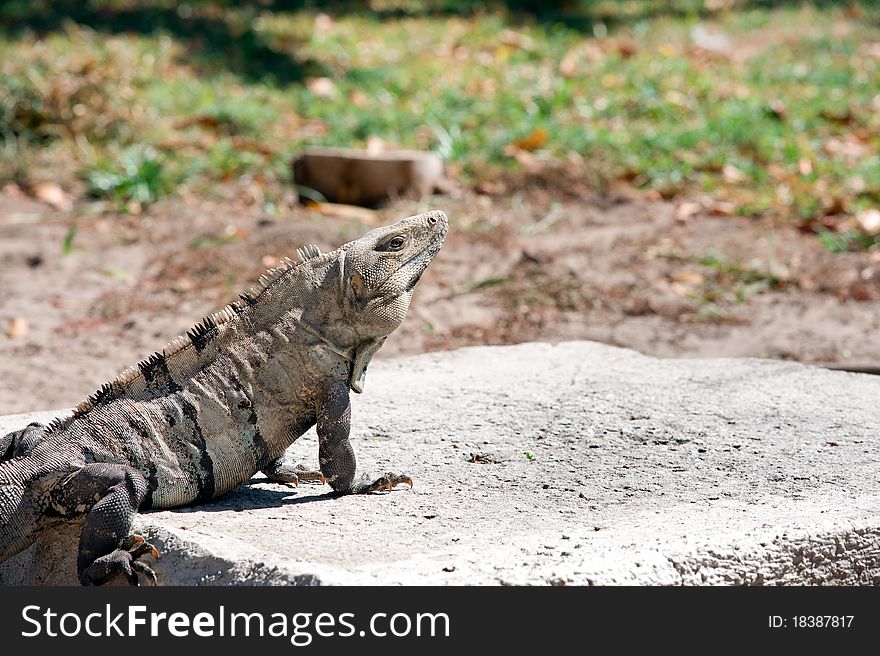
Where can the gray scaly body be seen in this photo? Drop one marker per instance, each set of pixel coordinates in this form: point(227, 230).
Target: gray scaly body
point(221, 403)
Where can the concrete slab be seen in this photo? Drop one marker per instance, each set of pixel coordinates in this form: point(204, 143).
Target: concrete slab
point(574, 463)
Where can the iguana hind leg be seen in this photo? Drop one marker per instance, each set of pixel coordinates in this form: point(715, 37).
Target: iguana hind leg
point(336, 454)
point(112, 494)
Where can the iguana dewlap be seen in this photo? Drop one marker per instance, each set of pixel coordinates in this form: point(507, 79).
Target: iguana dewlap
point(220, 403)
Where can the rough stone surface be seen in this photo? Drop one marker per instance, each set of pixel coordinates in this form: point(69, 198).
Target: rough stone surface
point(545, 464)
point(359, 177)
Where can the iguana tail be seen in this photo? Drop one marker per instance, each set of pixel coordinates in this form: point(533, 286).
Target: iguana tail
point(20, 512)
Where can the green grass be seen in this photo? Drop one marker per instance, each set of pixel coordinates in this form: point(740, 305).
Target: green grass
point(784, 119)
point(138, 178)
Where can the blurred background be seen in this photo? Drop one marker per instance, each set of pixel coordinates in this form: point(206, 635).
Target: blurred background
point(686, 178)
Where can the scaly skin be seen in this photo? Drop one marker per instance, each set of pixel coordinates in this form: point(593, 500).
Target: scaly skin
point(220, 404)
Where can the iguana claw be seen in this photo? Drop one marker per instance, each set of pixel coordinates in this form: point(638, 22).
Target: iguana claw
point(146, 570)
point(309, 475)
point(388, 481)
point(124, 560)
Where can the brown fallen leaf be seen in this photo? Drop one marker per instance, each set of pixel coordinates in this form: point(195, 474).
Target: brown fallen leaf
point(777, 108)
point(870, 50)
point(18, 327)
point(860, 291)
point(532, 141)
point(722, 208)
point(321, 86)
point(376, 145)
point(869, 221)
point(688, 278)
point(849, 148)
point(568, 65)
point(13, 190)
point(732, 174)
point(627, 48)
point(807, 284)
point(841, 117)
point(516, 40)
point(359, 98)
point(687, 210)
point(52, 194)
point(323, 23)
point(362, 214)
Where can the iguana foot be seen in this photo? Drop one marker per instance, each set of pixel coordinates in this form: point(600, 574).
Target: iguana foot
point(309, 475)
point(385, 482)
point(279, 472)
point(124, 560)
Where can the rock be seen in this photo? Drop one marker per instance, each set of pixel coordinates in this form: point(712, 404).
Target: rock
point(727, 471)
point(361, 177)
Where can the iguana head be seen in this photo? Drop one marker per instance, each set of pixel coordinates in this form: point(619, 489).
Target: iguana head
point(379, 272)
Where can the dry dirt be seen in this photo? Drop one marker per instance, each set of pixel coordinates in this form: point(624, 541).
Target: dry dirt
point(520, 264)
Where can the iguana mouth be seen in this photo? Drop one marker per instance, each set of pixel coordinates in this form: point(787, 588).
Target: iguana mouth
point(414, 282)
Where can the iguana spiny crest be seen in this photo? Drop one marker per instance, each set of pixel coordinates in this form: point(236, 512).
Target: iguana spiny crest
point(376, 273)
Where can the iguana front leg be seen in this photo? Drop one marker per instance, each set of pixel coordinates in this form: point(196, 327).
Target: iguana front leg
point(335, 452)
point(112, 494)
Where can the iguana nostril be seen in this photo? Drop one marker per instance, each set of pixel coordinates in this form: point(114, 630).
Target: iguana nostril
point(432, 219)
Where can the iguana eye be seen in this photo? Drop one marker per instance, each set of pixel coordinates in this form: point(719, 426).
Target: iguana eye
point(393, 244)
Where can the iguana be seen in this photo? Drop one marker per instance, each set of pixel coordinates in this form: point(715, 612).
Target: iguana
point(220, 403)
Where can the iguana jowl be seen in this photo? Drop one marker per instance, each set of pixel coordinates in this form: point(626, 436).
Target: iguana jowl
point(221, 403)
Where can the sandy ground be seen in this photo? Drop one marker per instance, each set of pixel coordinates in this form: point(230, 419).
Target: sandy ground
point(518, 266)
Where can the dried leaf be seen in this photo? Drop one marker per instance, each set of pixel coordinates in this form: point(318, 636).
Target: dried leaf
point(685, 211)
point(732, 174)
point(362, 214)
point(848, 148)
point(869, 221)
point(860, 291)
point(722, 208)
point(688, 278)
point(18, 327)
point(13, 190)
point(568, 65)
point(52, 194)
point(376, 145)
point(321, 86)
point(532, 141)
point(323, 23)
point(359, 98)
point(627, 48)
point(777, 108)
point(711, 40)
point(870, 50)
point(516, 40)
point(680, 290)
